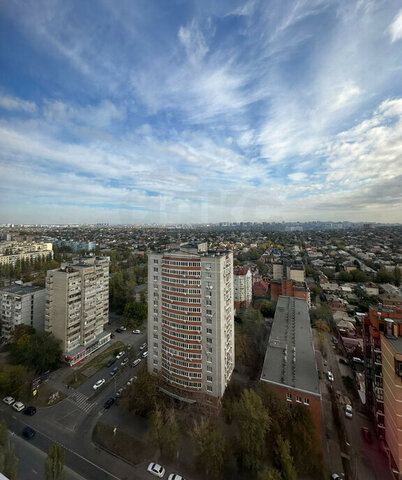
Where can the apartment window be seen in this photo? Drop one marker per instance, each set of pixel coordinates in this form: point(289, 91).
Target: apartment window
point(209, 321)
point(209, 340)
point(306, 401)
point(156, 261)
point(155, 362)
point(398, 368)
point(156, 335)
point(155, 327)
point(156, 344)
point(156, 269)
point(209, 349)
point(209, 378)
point(209, 330)
point(209, 369)
point(298, 399)
point(155, 278)
point(209, 388)
point(289, 397)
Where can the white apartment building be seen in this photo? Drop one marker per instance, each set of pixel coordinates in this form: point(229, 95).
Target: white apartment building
point(191, 321)
point(11, 252)
point(243, 287)
point(77, 306)
point(21, 305)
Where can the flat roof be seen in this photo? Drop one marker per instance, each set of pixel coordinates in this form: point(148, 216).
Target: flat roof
point(21, 289)
point(290, 357)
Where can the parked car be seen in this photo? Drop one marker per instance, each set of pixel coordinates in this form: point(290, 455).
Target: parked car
point(114, 371)
point(358, 360)
point(123, 329)
point(30, 411)
point(118, 330)
point(124, 362)
point(144, 345)
point(9, 400)
point(109, 402)
point(119, 392)
point(18, 406)
point(112, 335)
point(344, 361)
point(334, 340)
point(348, 411)
point(136, 362)
point(130, 381)
point(120, 354)
point(156, 469)
point(145, 354)
point(28, 433)
point(137, 332)
point(330, 376)
point(335, 476)
point(129, 346)
point(367, 434)
point(111, 362)
point(99, 383)
point(174, 476)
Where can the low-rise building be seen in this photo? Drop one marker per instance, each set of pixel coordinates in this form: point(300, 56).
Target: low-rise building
point(289, 288)
point(290, 367)
point(21, 305)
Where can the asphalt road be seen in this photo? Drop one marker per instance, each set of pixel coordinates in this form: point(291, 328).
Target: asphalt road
point(70, 424)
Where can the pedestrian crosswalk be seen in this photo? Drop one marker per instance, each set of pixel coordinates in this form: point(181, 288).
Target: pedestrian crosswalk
point(81, 401)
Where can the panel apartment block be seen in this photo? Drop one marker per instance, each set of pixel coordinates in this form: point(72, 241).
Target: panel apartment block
point(21, 305)
point(191, 321)
point(78, 306)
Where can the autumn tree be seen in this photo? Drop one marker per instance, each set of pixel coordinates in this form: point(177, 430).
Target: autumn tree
point(54, 466)
point(284, 459)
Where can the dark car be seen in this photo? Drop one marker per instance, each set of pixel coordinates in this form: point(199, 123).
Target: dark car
point(118, 330)
point(28, 433)
point(111, 362)
point(109, 403)
point(30, 411)
point(344, 361)
point(114, 371)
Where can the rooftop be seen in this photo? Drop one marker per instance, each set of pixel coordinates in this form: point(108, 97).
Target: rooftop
point(290, 357)
point(20, 289)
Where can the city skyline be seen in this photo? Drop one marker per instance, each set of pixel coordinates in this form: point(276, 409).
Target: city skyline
point(200, 113)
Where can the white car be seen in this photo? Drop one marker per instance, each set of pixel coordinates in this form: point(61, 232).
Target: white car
point(144, 345)
point(123, 329)
point(335, 476)
point(330, 376)
point(120, 354)
point(9, 400)
point(174, 476)
point(348, 411)
point(99, 383)
point(137, 332)
point(156, 469)
point(18, 406)
point(136, 362)
point(130, 381)
point(124, 362)
point(145, 354)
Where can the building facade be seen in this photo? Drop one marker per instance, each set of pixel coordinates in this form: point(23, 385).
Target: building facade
point(191, 321)
point(21, 305)
point(12, 252)
point(382, 340)
point(77, 306)
point(290, 367)
point(289, 288)
point(243, 287)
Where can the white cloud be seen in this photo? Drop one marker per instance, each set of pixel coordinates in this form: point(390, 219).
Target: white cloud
point(395, 28)
point(14, 103)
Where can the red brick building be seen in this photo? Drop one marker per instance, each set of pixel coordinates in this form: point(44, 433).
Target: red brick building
point(289, 288)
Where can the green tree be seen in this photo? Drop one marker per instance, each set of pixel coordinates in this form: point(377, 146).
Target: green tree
point(54, 466)
point(269, 474)
point(143, 393)
point(40, 351)
point(397, 276)
point(384, 276)
point(252, 421)
point(15, 380)
point(8, 459)
point(164, 431)
point(284, 459)
point(267, 309)
point(211, 449)
point(135, 314)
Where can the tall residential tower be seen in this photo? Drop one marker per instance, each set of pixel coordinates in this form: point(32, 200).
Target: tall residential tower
point(77, 306)
point(191, 321)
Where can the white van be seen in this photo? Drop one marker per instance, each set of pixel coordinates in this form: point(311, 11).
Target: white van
point(357, 360)
point(145, 354)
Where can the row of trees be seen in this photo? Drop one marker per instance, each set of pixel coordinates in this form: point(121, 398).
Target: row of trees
point(265, 437)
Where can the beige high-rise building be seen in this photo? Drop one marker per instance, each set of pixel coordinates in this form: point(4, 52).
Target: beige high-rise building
point(191, 322)
point(77, 306)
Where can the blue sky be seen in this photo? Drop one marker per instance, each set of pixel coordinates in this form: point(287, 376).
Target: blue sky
point(200, 111)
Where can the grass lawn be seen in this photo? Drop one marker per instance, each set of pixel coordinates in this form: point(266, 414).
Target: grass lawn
point(121, 444)
point(79, 376)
